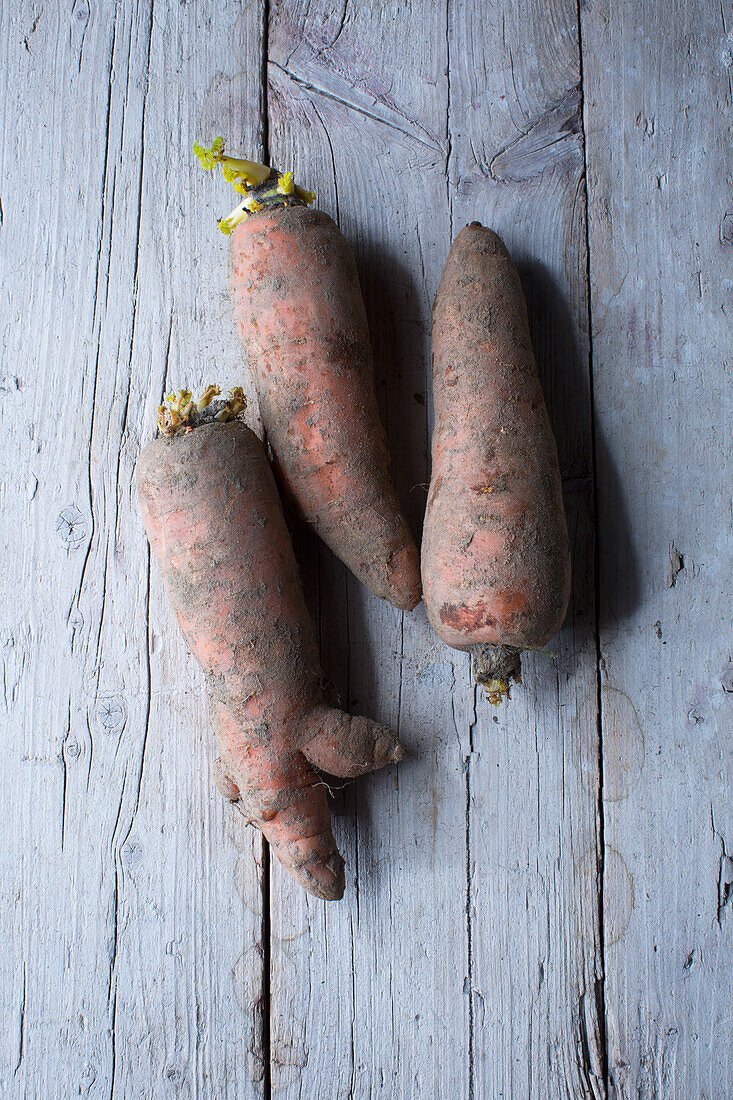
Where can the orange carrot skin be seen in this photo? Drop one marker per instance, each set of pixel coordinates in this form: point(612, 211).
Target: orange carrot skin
point(215, 523)
point(495, 554)
point(300, 316)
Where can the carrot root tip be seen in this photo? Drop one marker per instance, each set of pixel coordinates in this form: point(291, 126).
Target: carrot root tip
point(495, 667)
point(398, 753)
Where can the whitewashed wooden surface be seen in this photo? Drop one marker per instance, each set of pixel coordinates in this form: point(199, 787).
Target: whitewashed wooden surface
point(540, 898)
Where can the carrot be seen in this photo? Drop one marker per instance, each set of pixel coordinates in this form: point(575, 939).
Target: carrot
point(495, 552)
point(300, 316)
point(215, 523)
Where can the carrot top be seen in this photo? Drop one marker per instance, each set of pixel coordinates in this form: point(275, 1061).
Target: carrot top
point(179, 412)
point(261, 186)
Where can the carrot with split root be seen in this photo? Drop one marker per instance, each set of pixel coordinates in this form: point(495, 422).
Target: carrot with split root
point(300, 316)
point(215, 523)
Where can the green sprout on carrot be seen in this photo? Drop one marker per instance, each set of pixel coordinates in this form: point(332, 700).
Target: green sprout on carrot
point(248, 205)
point(233, 168)
point(261, 186)
point(496, 691)
point(207, 397)
point(285, 184)
point(179, 412)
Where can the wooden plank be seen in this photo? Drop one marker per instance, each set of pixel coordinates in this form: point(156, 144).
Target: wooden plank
point(533, 774)
point(132, 954)
point(658, 117)
point(405, 987)
point(373, 988)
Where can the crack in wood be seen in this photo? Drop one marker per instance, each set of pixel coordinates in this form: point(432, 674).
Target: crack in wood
point(21, 1024)
point(554, 141)
point(573, 108)
point(334, 97)
point(725, 876)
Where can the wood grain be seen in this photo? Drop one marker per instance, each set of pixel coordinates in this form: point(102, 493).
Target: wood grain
point(506, 932)
point(658, 118)
point(468, 951)
point(132, 960)
point(368, 133)
point(537, 967)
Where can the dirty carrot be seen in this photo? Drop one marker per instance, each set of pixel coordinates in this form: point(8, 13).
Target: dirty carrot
point(301, 320)
point(214, 520)
point(495, 552)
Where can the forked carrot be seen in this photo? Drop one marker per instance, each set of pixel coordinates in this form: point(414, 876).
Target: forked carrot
point(215, 523)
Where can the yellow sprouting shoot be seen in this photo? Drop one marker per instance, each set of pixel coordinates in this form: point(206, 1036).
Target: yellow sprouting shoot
point(236, 404)
point(496, 691)
point(231, 221)
point(181, 402)
point(248, 205)
point(174, 412)
point(285, 184)
point(308, 197)
point(168, 420)
point(234, 168)
point(236, 396)
point(209, 157)
point(179, 413)
point(206, 397)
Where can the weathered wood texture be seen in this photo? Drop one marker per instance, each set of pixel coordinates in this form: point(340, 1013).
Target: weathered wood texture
point(468, 951)
point(659, 122)
point(131, 961)
point(370, 132)
point(149, 948)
